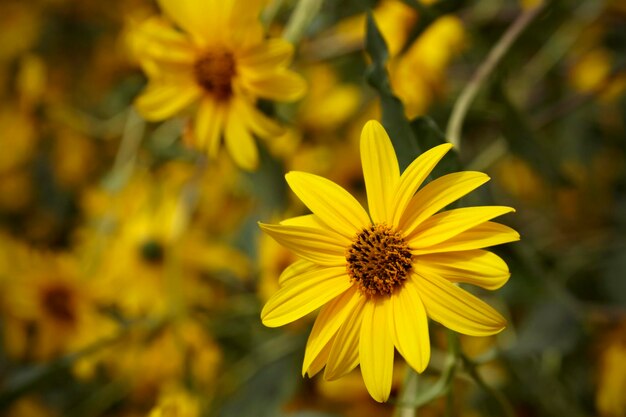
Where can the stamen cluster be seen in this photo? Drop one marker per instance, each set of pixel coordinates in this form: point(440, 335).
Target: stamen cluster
point(214, 72)
point(379, 260)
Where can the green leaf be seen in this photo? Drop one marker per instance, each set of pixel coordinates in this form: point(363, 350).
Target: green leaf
point(393, 118)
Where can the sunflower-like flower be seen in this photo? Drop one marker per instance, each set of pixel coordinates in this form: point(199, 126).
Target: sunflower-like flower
point(378, 277)
point(217, 58)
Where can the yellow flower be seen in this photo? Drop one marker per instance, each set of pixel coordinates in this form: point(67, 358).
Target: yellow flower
point(221, 62)
point(50, 308)
point(176, 401)
point(610, 400)
point(418, 76)
point(379, 276)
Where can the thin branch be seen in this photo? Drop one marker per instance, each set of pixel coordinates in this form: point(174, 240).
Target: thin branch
point(462, 104)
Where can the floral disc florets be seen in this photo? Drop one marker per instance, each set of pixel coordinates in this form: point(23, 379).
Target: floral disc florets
point(214, 72)
point(379, 260)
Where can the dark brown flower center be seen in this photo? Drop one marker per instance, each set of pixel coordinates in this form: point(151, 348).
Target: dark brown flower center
point(152, 252)
point(379, 260)
point(214, 72)
point(58, 302)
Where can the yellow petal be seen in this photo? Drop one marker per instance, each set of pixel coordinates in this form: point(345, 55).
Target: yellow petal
point(240, 143)
point(267, 55)
point(329, 202)
point(322, 247)
point(477, 267)
point(308, 220)
point(457, 309)
point(304, 294)
point(376, 349)
point(208, 126)
point(327, 323)
point(198, 18)
point(437, 194)
point(344, 355)
point(260, 124)
point(481, 236)
point(280, 85)
point(447, 224)
point(158, 40)
point(413, 177)
point(320, 360)
point(161, 101)
point(295, 269)
point(409, 326)
point(380, 171)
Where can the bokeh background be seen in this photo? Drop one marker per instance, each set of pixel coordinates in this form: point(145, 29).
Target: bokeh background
point(132, 270)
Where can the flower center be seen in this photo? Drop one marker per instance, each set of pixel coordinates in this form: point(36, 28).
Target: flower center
point(152, 252)
point(59, 303)
point(214, 71)
point(379, 260)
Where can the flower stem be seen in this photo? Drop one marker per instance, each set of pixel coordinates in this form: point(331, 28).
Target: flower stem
point(300, 19)
point(409, 388)
point(461, 106)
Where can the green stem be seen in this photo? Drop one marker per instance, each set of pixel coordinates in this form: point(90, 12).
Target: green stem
point(300, 19)
point(462, 104)
point(409, 389)
point(472, 370)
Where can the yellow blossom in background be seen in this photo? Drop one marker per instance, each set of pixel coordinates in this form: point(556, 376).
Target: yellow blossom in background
point(176, 402)
point(611, 384)
point(394, 18)
point(151, 252)
point(418, 76)
point(379, 276)
point(216, 59)
point(50, 309)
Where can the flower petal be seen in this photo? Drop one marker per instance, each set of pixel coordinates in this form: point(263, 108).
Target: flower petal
point(344, 355)
point(320, 360)
point(304, 294)
point(456, 308)
point(240, 143)
point(260, 124)
point(413, 177)
point(447, 224)
point(376, 349)
point(437, 194)
point(208, 126)
point(322, 247)
point(380, 170)
point(280, 85)
point(296, 269)
point(409, 326)
point(308, 220)
point(327, 323)
point(481, 236)
point(329, 202)
point(156, 39)
point(195, 17)
point(477, 267)
point(160, 101)
point(267, 55)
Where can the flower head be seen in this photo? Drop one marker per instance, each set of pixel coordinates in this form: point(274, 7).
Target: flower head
point(219, 60)
point(378, 277)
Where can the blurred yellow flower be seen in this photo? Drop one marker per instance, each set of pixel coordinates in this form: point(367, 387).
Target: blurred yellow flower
point(220, 61)
point(418, 76)
point(379, 276)
point(149, 358)
point(610, 398)
point(176, 402)
point(50, 308)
